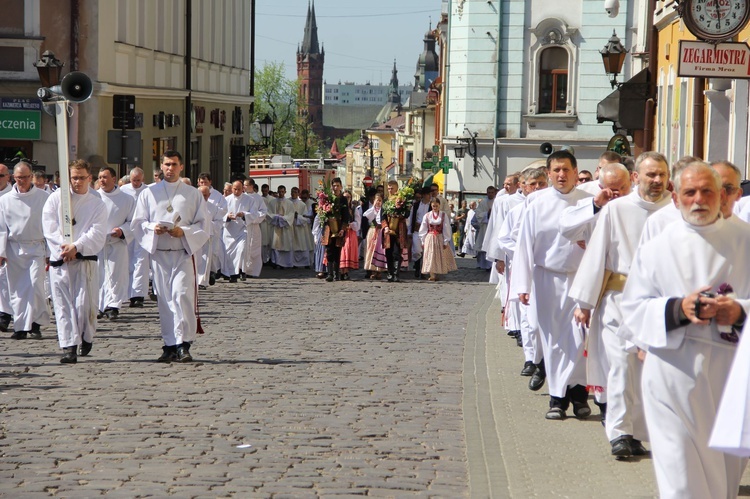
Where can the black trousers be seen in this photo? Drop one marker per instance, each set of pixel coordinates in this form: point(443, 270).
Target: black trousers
point(393, 255)
point(333, 254)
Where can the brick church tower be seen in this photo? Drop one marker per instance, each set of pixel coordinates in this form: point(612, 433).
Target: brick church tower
point(310, 59)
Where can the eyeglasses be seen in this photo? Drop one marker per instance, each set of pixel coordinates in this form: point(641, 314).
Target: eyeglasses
point(79, 179)
point(730, 189)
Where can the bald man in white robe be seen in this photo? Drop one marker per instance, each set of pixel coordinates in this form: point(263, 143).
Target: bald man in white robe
point(687, 292)
point(235, 231)
point(281, 213)
point(255, 218)
point(6, 310)
point(140, 264)
point(611, 365)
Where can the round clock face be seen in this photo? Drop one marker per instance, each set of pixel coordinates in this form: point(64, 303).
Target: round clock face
point(716, 19)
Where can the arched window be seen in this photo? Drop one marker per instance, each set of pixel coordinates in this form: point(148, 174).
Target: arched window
point(553, 80)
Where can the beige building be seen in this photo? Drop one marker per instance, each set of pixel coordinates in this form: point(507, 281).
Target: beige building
point(138, 48)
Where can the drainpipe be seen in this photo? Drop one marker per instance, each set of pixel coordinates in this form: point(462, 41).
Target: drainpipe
point(699, 105)
point(188, 82)
point(73, 120)
point(252, 56)
point(653, 53)
point(497, 87)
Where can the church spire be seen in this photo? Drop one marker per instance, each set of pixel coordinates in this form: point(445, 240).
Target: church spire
point(310, 41)
point(394, 96)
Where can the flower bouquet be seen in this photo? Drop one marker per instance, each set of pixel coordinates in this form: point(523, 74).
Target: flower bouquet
point(327, 209)
point(400, 204)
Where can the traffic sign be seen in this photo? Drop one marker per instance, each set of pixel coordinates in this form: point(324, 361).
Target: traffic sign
point(367, 181)
point(426, 165)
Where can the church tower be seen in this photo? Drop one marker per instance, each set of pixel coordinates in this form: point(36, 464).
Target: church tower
point(310, 59)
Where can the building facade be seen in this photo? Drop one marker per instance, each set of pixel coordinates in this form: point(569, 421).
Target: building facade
point(139, 49)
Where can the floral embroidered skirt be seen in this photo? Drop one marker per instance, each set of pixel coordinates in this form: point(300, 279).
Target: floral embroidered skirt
point(375, 256)
point(435, 258)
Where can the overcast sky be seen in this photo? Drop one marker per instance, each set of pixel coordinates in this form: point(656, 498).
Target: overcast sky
point(360, 38)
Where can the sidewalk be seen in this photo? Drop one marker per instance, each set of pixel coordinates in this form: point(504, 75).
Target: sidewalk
point(513, 452)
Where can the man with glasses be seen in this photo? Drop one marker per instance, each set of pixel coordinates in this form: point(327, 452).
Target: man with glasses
point(6, 311)
point(139, 260)
point(22, 251)
point(172, 224)
point(584, 176)
point(73, 270)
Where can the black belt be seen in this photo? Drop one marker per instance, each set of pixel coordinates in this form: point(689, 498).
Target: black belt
point(58, 263)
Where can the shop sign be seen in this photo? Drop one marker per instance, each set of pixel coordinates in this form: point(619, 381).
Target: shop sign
point(714, 60)
point(20, 104)
point(25, 125)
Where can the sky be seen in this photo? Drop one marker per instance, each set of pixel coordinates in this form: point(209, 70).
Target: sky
point(360, 38)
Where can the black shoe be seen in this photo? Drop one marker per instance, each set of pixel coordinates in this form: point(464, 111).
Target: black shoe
point(85, 348)
point(581, 409)
point(389, 277)
point(345, 277)
point(602, 412)
point(637, 447)
point(111, 313)
point(555, 413)
point(233, 278)
point(519, 339)
point(70, 356)
point(136, 302)
point(528, 368)
point(395, 277)
point(211, 279)
point(511, 334)
point(219, 275)
point(201, 287)
point(35, 333)
point(168, 354)
point(621, 447)
point(183, 353)
point(242, 276)
point(329, 277)
point(5, 321)
point(153, 297)
point(537, 379)
point(18, 335)
point(100, 315)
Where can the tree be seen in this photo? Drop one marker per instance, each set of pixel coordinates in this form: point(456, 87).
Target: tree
point(277, 97)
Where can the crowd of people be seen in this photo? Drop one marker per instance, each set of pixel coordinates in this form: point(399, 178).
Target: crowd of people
point(629, 286)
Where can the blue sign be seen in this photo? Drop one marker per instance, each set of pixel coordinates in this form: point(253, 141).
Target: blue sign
point(20, 104)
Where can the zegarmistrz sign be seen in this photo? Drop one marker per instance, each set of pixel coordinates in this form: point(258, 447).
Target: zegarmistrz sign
point(709, 60)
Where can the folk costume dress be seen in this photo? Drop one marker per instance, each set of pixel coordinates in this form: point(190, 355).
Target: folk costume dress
point(435, 233)
point(350, 250)
point(375, 257)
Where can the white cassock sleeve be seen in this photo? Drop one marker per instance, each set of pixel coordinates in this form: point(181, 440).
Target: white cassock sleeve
point(196, 233)
point(574, 220)
point(731, 432)
point(588, 281)
point(523, 259)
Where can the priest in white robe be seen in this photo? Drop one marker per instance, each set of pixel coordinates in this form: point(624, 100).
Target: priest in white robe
point(172, 224)
point(235, 231)
point(303, 241)
point(204, 256)
point(281, 213)
point(255, 218)
point(140, 263)
point(113, 259)
point(687, 291)
point(482, 215)
point(22, 250)
point(612, 366)
point(73, 269)
point(543, 267)
point(6, 311)
point(500, 208)
point(266, 229)
point(218, 251)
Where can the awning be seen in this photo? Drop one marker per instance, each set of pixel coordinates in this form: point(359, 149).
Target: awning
point(626, 106)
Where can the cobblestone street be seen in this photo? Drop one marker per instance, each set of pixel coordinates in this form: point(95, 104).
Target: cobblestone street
point(301, 388)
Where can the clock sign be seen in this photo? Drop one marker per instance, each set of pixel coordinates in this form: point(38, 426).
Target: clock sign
point(715, 20)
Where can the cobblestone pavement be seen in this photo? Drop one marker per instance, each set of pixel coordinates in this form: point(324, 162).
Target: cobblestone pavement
point(301, 388)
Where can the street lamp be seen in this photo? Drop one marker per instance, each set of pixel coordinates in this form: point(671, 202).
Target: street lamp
point(613, 57)
point(287, 149)
point(265, 127)
point(49, 68)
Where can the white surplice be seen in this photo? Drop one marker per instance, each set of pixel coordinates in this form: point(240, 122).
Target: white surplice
point(22, 244)
point(113, 258)
point(281, 213)
point(171, 257)
point(74, 285)
point(266, 230)
point(482, 213)
point(204, 256)
point(217, 243)
point(255, 218)
point(235, 234)
point(140, 261)
point(5, 306)
point(686, 369)
point(543, 266)
point(302, 235)
point(609, 364)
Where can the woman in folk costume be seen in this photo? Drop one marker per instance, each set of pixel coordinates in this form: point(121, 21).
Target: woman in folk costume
point(350, 251)
point(375, 260)
point(435, 233)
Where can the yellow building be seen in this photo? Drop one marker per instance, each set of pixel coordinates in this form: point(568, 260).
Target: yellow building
point(700, 116)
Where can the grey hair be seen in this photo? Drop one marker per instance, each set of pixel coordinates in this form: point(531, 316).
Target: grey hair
point(536, 173)
point(614, 167)
point(696, 166)
point(135, 169)
point(729, 165)
point(654, 155)
point(681, 163)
